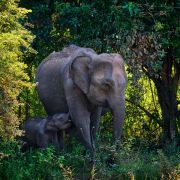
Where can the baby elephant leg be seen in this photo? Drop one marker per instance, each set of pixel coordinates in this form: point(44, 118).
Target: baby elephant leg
point(57, 140)
point(26, 146)
point(60, 139)
point(42, 140)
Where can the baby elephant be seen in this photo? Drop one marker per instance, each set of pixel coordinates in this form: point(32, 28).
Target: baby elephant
point(40, 132)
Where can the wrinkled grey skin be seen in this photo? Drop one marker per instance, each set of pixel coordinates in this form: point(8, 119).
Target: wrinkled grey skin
point(79, 81)
point(40, 132)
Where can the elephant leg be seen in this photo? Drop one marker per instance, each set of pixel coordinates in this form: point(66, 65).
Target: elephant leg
point(83, 130)
point(60, 140)
point(79, 112)
point(42, 141)
point(95, 118)
point(26, 146)
point(81, 119)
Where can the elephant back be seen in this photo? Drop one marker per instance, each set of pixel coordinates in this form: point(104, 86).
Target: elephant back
point(49, 77)
point(65, 56)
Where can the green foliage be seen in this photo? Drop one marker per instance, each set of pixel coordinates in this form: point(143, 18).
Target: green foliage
point(146, 33)
point(14, 42)
point(132, 8)
point(35, 164)
point(127, 163)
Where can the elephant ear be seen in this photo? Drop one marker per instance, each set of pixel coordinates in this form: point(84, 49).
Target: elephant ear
point(79, 71)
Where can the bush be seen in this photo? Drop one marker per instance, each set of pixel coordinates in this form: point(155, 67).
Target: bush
point(73, 163)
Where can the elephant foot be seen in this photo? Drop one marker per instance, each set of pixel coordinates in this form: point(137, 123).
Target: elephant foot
point(26, 147)
point(90, 156)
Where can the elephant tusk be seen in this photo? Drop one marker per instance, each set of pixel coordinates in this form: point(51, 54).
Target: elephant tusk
point(36, 84)
point(82, 131)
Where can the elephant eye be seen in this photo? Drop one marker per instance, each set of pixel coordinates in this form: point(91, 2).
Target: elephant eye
point(107, 84)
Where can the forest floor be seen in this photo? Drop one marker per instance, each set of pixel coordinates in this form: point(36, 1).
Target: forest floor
point(129, 162)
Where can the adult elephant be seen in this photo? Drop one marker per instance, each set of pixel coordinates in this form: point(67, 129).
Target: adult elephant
point(79, 81)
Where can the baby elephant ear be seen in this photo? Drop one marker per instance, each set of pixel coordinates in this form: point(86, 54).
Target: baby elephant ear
point(80, 72)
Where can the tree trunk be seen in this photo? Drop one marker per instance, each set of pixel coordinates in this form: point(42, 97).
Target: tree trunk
point(167, 95)
point(168, 104)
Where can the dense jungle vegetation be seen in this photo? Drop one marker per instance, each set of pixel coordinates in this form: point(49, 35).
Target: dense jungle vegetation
point(146, 34)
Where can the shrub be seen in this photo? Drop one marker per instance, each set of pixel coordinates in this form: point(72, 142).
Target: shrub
point(73, 163)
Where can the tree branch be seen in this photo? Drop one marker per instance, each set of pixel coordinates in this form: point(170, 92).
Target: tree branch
point(151, 116)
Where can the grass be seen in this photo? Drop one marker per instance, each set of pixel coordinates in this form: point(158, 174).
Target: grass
point(72, 163)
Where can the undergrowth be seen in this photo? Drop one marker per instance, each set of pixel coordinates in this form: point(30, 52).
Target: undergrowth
point(73, 163)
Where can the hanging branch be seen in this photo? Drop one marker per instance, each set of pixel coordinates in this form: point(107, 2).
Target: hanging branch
point(150, 115)
point(152, 94)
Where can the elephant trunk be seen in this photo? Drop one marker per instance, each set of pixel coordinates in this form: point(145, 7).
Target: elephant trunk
point(117, 105)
